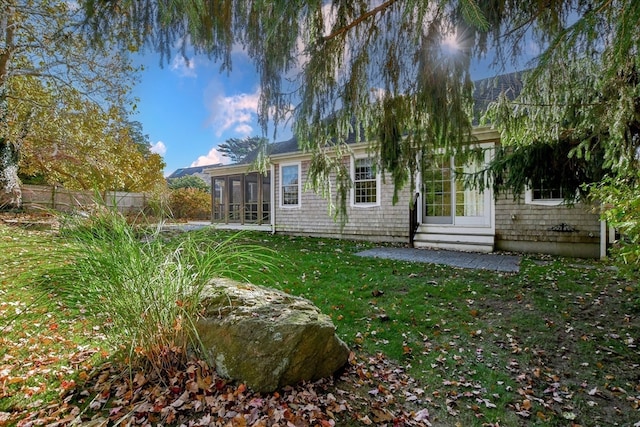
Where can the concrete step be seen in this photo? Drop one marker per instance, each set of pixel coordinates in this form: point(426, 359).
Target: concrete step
point(455, 241)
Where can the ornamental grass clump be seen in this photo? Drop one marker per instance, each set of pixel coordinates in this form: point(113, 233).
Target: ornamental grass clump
point(146, 287)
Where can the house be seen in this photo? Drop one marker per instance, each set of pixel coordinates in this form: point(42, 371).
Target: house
point(192, 171)
point(446, 215)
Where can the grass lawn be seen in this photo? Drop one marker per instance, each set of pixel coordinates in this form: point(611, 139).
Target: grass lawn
point(555, 344)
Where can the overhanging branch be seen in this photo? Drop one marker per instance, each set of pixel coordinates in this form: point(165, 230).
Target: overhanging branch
point(358, 20)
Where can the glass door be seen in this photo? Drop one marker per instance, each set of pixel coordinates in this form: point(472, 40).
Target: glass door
point(437, 182)
point(446, 199)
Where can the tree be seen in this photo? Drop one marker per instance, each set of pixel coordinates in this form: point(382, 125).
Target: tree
point(237, 149)
point(81, 146)
point(188, 181)
point(380, 70)
point(63, 103)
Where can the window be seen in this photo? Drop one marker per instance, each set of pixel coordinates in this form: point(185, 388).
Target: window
point(544, 194)
point(365, 182)
point(290, 185)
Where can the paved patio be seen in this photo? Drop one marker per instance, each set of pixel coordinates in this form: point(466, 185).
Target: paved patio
point(472, 260)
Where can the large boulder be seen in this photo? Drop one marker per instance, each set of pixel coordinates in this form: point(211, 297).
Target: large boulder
point(266, 338)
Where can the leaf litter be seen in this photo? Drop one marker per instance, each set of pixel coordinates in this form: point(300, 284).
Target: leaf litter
point(369, 391)
point(550, 381)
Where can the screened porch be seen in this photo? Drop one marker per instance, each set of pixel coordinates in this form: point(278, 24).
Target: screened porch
point(242, 199)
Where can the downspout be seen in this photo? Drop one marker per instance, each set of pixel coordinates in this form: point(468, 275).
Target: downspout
point(272, 189)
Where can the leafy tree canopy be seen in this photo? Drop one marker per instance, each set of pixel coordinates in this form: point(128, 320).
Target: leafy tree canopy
point(64, 104)
point(81, 145)
point(188, 181)
point(237, 149)
point(380, 70)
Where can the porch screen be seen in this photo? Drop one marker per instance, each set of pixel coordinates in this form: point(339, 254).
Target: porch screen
point(219, 211)
point(244, 199)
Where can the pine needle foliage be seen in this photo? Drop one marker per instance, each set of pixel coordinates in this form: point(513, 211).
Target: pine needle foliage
point(377, 71)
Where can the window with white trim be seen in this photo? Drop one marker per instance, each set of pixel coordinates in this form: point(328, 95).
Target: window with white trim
point(366, 183)
point(290, 185)
point(544, 194)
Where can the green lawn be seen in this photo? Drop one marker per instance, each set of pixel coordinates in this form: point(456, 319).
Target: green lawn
point(556, 344)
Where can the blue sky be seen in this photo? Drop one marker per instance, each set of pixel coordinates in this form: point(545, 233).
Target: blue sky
point(187, 109)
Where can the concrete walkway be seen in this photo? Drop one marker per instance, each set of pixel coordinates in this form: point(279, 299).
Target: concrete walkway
point(472, 260)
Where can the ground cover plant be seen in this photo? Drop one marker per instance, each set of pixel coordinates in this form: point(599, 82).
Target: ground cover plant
point(555, 344)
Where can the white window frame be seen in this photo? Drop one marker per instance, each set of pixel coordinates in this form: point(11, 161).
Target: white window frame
point(472, 224)
point(529, 200)
point(281, 187)
point(353, 179)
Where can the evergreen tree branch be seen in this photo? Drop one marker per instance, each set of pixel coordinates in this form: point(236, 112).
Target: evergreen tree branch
point(344, 29)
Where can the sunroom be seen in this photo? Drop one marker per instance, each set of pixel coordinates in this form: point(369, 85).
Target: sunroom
point(240, 199)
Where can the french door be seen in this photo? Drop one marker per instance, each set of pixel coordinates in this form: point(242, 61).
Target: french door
point(447, 201)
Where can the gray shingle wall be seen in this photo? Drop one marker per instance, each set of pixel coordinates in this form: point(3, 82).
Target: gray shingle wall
point(386, 222)
point(561, 230)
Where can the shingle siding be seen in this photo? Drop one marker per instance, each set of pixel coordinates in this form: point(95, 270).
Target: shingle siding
point(563, 230)
point(386, 222)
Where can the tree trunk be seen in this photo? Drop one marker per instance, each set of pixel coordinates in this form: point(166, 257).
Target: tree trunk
point(10, 193)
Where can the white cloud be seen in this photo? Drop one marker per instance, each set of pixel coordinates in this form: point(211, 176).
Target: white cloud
point(236, 112)
point(184, 67)
point(158, 148)
point(244, 129)
point(213, 157)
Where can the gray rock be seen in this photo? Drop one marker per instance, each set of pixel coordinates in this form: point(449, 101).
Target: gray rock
point(266, 338)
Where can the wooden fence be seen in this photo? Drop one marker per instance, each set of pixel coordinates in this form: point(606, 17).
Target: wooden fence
point(61, 199)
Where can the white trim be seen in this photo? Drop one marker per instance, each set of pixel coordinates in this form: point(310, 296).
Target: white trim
point(272, 194)
point(280, 195)
point(479, 224)
point(352, 194)
point(529, 200)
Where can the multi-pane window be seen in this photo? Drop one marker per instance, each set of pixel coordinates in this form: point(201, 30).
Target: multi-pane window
point(365, 182)
point(290, 185)
point(438, 181)
point(447, 199)
point(543, 192)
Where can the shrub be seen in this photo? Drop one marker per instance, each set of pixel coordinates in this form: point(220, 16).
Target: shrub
point(188, 181)
point(190, 203)
point(148, 288)
point(621, 209)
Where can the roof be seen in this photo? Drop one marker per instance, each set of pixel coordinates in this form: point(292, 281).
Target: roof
point(489, 89)
point(485, 91)
point(179, 173)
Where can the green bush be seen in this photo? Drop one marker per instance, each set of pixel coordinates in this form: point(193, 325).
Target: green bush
point(189, 203)
point(188, 181)
point(621, 209)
